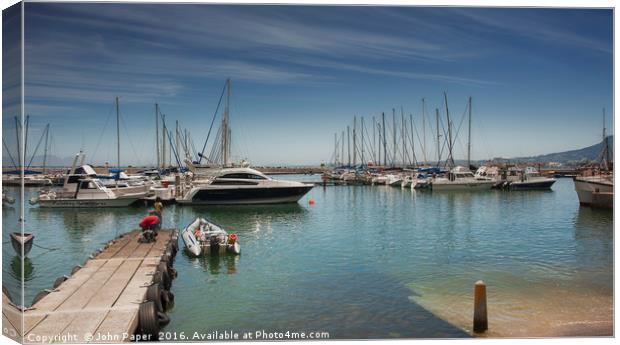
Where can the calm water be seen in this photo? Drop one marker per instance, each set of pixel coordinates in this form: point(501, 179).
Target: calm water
point(366, 262)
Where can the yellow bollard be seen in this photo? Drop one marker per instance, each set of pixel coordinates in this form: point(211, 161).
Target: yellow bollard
point(480, 307)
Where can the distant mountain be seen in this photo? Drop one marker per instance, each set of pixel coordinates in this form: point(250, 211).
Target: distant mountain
point(586, 153)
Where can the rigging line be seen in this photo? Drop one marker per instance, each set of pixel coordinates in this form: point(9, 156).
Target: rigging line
point(37, 147)
point(129, 138)
point(212, 122)
point(461, 125)
point(102, 132)
point(9, 152)
point(173, 148)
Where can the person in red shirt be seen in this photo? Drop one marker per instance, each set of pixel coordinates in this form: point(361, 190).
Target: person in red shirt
point(149, 225)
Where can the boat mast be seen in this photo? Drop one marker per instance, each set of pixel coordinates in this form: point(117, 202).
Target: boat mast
point(469, 138)
point(451, 158)
point(402, 134)
point(355, 140)
point(19, 156)
point(374, 141)
point(605, 152)
point(342, 148)
point(378, 128)
point(384, 141)
point(157, 133)
point(424, 131)
point(413, 157)
point(362, 159)
point(438, 137)
point(163, 141)
point(118, 137)
point(335, 149)
point(47, 132)
point(26, 139)
point(348, 146)
point(225, 127)
point(394, 135)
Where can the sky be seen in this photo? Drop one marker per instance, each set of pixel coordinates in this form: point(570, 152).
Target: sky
point(539, 78)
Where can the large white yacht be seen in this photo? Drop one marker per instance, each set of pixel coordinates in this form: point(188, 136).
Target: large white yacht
point(460, 178)
point(243, 186)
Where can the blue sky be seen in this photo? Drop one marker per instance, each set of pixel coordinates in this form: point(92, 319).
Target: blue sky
point(539, 78)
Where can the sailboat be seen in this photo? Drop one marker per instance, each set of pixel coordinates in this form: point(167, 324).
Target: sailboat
point(598, 189)
point(459, 178)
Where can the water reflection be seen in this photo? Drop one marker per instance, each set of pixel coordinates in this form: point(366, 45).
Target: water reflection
point(16, 268)
point(214, 264)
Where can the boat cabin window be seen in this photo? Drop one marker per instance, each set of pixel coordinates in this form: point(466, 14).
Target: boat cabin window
point(88, 185)
point(244, 176)
point(235, 183)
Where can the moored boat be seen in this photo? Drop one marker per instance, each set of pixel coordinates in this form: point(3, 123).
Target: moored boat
point(202, 238)
point(22, 242)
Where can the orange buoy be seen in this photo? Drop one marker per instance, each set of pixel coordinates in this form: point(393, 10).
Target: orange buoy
point(311, 201)
point(232, 238)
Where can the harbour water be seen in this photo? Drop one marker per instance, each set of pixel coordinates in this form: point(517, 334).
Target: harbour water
point(365, 262)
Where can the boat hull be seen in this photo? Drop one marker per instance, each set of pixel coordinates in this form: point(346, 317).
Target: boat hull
point(85, 203)
point(531, 185)
point(465, 186)
point(594, 193)
point(237, 196)
point(19, 241)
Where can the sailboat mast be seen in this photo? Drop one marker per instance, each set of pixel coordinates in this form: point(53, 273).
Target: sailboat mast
point(394, 135)
point(450, 158)
point(349, 146)
point(342, 148)
point(362, 160)
point(374, 141)
point(469, 137)
point(157, 133)
point(413, 157)
point(424, 131)
point(19, 156)
point(354, 140)
point(384, 141)
point(118, 136)
point(226, 129)
point(402, 134)
point(438, 136)
point(47, 132)
point(163, 141)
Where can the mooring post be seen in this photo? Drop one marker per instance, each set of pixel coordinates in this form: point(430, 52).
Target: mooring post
point(480, 307)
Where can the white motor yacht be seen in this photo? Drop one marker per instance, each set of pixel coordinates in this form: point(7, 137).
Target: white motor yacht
point(243, 186)
point(460, 178)
point(81, 190)
point(527, 179)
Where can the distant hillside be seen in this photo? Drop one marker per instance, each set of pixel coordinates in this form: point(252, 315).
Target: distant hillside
point(589, 153)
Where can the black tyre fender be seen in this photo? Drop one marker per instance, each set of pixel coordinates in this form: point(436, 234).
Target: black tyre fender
point(173, 273)
point(162, 319)
point(59, 281)
point(75, 269)
point(148, 320)
point(39, 296)
point(166, 280)
point(155, 294)
point(167, 300)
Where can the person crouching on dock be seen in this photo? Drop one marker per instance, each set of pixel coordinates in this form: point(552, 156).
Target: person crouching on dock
point(149, 226)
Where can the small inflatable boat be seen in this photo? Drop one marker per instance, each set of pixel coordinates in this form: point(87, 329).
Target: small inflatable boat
point(203, 238)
